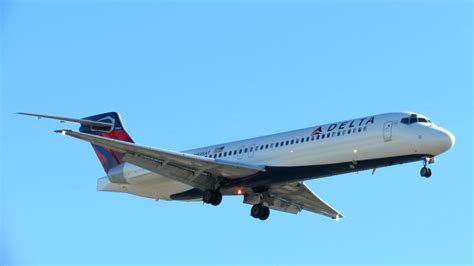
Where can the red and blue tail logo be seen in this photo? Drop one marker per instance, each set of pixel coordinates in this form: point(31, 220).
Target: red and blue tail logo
point(108, 158)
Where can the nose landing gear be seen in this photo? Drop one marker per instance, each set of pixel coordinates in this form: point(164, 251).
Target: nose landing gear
point(425, 171)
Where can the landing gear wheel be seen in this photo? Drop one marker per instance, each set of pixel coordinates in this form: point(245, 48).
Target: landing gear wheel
point(217, 199)
point(212, 197)
point(425, 171)
point(265, 213)
point(255, 211)
point(428, 174)
point(207, 196)
point(260, 211)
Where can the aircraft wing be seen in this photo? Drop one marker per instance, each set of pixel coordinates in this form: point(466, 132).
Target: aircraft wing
point(294, 197)
point(197, 171)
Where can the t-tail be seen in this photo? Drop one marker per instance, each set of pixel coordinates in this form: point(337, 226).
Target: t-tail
point(108, 158)
point(107, 125)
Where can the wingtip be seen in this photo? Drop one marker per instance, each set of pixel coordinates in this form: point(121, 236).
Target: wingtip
point(62, 131)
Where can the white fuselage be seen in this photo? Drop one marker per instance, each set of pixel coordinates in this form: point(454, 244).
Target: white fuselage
point(366, 138)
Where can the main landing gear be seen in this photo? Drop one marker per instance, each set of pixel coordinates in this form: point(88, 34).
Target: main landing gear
point(425, 171)
point(260, 211)
point(212, 197)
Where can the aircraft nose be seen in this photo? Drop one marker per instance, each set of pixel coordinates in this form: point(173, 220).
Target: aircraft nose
point(447, 139)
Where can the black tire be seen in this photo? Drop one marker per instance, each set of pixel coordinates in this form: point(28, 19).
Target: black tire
point(265, 213)
point(208, 196)
point(216, 198)
point(424, 171)
point(256, 210)
point(428, 173)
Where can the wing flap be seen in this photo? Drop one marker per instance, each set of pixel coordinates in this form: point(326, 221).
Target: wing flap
point(298, 194)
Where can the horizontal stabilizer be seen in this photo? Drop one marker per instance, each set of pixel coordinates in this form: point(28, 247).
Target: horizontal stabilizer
point(99, 125)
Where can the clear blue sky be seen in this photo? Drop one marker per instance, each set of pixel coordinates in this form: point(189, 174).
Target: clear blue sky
point(188, 74)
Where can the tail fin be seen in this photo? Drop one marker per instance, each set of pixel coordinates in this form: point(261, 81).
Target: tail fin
point(108, 158)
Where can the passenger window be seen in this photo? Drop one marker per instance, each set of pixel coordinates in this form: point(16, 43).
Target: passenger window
point(271, 145)
point(245, 151)
point(251, 149)
point(359, 130)
point(317, 137)
point(281, 143)
point(292, 141)
point(261, 147)
point(235, 152)
point(225, 154)
point(287, 142)
point(338, 133)
point(220, 155)
point(215, 155)
point(328, 135)
point(348, 131)
point(302, 140)
point(365, 128)
point(266, 146)
point(312, 138)
point(307, 139)
point(276, 145)
point(333, 134)
point(322, 136)
point(240, 151)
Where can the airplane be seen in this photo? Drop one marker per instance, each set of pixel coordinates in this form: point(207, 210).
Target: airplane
point(269, 171)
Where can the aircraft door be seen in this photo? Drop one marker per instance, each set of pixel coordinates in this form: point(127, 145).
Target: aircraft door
point(387, 131)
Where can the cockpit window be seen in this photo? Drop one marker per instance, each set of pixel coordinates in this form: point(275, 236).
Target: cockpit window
point(414, 119)
point(405, 120)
